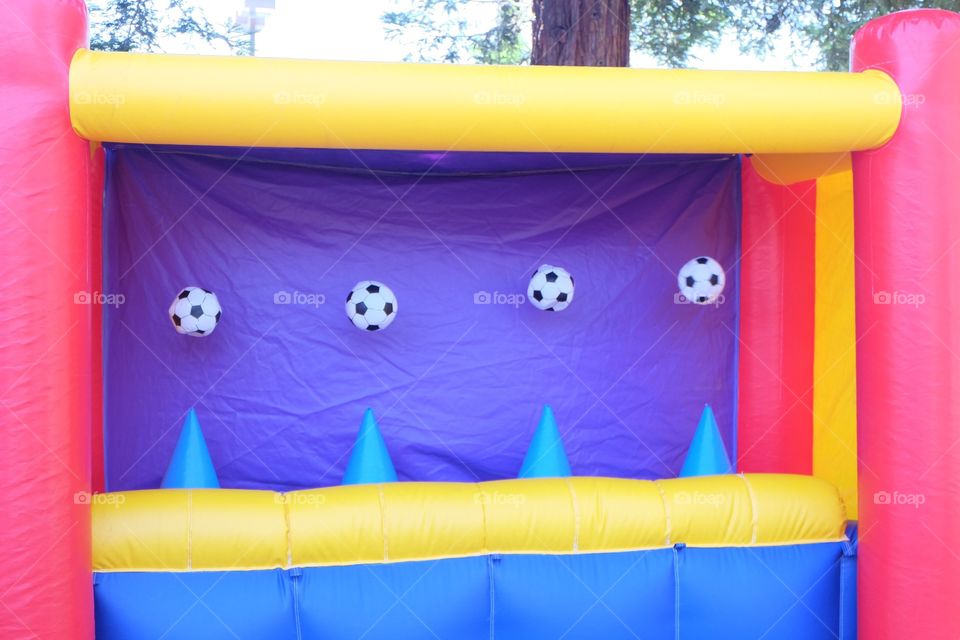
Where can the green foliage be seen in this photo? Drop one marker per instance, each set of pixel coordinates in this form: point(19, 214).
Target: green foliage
point(482, 31)
point(144, 25)
point(669, 30)
point(823, 25)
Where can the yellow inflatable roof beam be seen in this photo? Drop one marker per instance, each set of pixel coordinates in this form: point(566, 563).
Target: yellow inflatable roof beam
point(225, 529)
point(243, 101)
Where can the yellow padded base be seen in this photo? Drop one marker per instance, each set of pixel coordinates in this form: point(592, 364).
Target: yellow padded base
point(229, 529)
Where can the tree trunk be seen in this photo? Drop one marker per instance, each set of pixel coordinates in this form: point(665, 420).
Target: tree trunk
point(590, 33)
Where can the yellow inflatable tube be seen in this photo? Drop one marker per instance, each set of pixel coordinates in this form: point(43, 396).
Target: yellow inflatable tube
point(240, 101)
point(223, 529)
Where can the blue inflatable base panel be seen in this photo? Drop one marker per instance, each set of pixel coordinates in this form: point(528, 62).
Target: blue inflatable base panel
point(795, 592)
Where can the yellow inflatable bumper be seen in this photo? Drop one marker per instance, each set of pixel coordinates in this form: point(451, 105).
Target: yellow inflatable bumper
point(225, 529)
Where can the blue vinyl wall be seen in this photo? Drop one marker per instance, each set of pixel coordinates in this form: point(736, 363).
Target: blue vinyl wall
point(796, 592)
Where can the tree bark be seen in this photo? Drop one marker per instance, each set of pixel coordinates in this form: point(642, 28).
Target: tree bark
point(591, 33)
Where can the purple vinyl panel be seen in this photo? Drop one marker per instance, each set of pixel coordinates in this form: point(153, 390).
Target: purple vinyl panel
point(457, 385)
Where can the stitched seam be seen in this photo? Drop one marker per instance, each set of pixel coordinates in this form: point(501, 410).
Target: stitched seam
point(189, 529)
point(295, 579)
point(482, 499)
point(754, 515)
point(383, 524)
point(493, 600)
point(576, 514)
point(289, 530)
point(676, 593)
point(666, 512)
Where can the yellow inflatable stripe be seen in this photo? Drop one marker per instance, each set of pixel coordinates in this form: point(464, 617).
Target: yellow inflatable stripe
point(224, 529)
point(243, 101)
point(835, 354)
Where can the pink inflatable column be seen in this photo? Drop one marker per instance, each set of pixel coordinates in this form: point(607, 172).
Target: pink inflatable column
point(907, 203)
point(47, 344)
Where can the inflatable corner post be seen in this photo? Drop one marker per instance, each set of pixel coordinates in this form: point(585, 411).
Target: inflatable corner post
point(776, 364)
point(546, 457)
point(190, 466)
point(707, 456)
point(49, 392)
point(370, 461)
point(908, 370)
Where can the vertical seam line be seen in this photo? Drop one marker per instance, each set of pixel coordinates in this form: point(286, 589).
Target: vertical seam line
point(285, 502)
point(666, 513)
point(754, 515)
point(493, 606)
point(482, 499)
point(295, 580)
point(383, 523)
point(189, 529)
point(576, 514)
point(676, 592)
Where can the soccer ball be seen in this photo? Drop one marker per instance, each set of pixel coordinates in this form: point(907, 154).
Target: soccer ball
point(550, 288)
point(195, 312)
point(371, 305)
point(701, 280)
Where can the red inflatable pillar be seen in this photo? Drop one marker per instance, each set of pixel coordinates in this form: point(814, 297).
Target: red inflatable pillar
point(46, 319)
point(775, 430)
point(907, 217)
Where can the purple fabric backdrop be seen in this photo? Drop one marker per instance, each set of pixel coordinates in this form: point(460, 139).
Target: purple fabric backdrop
point(457, 386)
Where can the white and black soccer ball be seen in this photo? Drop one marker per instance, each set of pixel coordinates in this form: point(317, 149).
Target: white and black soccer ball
point(550, 288)
point(371, 305)
point(701, 280)
point(195, 312)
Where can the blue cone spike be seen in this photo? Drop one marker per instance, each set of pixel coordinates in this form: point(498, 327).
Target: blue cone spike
point(707, 456)
point(191, 466)
point(546, 457)
point(370, 461)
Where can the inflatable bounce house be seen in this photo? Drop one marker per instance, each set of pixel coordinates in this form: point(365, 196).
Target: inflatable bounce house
point(298, 349)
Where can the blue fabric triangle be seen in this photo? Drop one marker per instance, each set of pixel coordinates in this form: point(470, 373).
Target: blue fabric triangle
point(370, 461)
point(190, 466)
point(546, 457)
point(707, 456)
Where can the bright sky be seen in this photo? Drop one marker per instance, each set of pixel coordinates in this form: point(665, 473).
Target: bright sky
point(352, 30)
